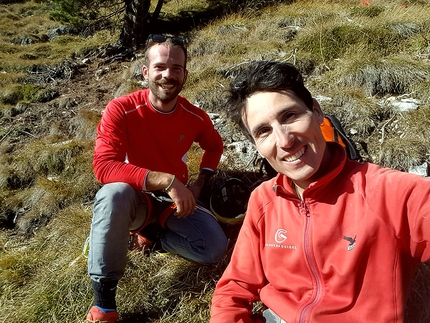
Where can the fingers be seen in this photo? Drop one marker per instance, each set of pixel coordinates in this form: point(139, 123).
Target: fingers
point(183, 198)
point(185, 207)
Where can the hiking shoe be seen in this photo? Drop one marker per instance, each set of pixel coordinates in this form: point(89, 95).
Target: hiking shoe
point(96, 315)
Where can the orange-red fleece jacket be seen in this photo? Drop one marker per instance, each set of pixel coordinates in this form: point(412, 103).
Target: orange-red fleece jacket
point(134, 138)
point(346, 253)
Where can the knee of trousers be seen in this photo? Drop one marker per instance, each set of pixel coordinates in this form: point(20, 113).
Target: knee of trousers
point(216, 250)
point(115, 200)
point(216, 244)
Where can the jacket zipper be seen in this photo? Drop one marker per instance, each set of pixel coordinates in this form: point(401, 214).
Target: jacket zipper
point(312, 266)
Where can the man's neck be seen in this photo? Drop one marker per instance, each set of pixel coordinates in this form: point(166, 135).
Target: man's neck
point(161, 105)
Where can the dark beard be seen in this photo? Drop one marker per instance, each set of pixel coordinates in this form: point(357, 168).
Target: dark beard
point(162, 96)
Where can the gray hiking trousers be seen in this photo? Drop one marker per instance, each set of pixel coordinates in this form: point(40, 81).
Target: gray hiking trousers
point(119, 209)
point(271, 317)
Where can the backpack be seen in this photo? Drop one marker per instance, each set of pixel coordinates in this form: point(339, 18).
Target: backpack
point(332, 131)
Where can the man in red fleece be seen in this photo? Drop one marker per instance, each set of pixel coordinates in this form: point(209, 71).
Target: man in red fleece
point(328, 239)
point(140, 157)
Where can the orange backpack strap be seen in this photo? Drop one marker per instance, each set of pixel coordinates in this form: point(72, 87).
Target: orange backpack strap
point(166, 213)
point(332, 130)
point(329, 132)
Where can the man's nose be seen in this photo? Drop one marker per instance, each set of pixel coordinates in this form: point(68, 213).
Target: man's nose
point(166, 73)
point(284, 137)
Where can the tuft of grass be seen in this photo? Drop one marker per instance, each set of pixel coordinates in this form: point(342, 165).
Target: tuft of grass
point(84, 124)
point(339, 41)
point(422, 92)
point(370, 11)
point(401, 155)
point(57, 290)
point(12, 178)
point(416, 306)
point(388, 76)
point(30, 93)
point(355, 56)
point(168, 285)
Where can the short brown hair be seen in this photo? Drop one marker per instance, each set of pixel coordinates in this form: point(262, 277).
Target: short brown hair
point(168, 42)
point(263, 76)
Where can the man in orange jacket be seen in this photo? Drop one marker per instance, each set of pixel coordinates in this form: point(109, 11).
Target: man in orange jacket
point(328, 239)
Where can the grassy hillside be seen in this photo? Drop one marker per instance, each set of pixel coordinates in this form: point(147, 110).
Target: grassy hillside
point(367, 64)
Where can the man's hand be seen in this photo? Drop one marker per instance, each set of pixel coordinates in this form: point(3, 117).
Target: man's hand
point(183, 198)
point(178, 192)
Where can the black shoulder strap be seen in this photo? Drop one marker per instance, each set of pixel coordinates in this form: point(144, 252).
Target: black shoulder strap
point(351, 150)
point(266, 168)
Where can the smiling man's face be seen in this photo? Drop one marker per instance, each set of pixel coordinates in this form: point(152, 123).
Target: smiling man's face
point(286, 133)
point(166, 73)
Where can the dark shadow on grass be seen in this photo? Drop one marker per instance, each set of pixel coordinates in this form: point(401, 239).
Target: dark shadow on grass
point(134, 318)
point(417, 306)
point(188, 279)
point(188, 20)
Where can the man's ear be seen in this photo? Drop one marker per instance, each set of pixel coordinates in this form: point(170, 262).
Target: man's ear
point(317, 110)
point(185, 76)
point(145, 72)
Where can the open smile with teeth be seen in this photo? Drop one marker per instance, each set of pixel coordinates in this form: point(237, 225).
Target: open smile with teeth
point(296, 156)
point(167, 86)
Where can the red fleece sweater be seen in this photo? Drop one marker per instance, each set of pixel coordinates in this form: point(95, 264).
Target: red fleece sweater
point(134, 138)
point(346, 253)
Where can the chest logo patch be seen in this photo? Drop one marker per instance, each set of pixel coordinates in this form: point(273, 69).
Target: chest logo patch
point(351, 242)
point(280, 238)
point(280, 235)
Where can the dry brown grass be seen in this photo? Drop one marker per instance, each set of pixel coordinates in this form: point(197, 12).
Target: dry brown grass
point(356, 56)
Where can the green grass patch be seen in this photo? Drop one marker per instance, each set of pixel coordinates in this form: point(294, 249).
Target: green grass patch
point(354, 57)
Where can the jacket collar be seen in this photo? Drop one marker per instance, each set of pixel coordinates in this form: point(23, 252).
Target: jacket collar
point(283, 185)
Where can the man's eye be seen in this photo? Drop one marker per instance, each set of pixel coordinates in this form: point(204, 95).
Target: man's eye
point(288, 116)
point(262, 132)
